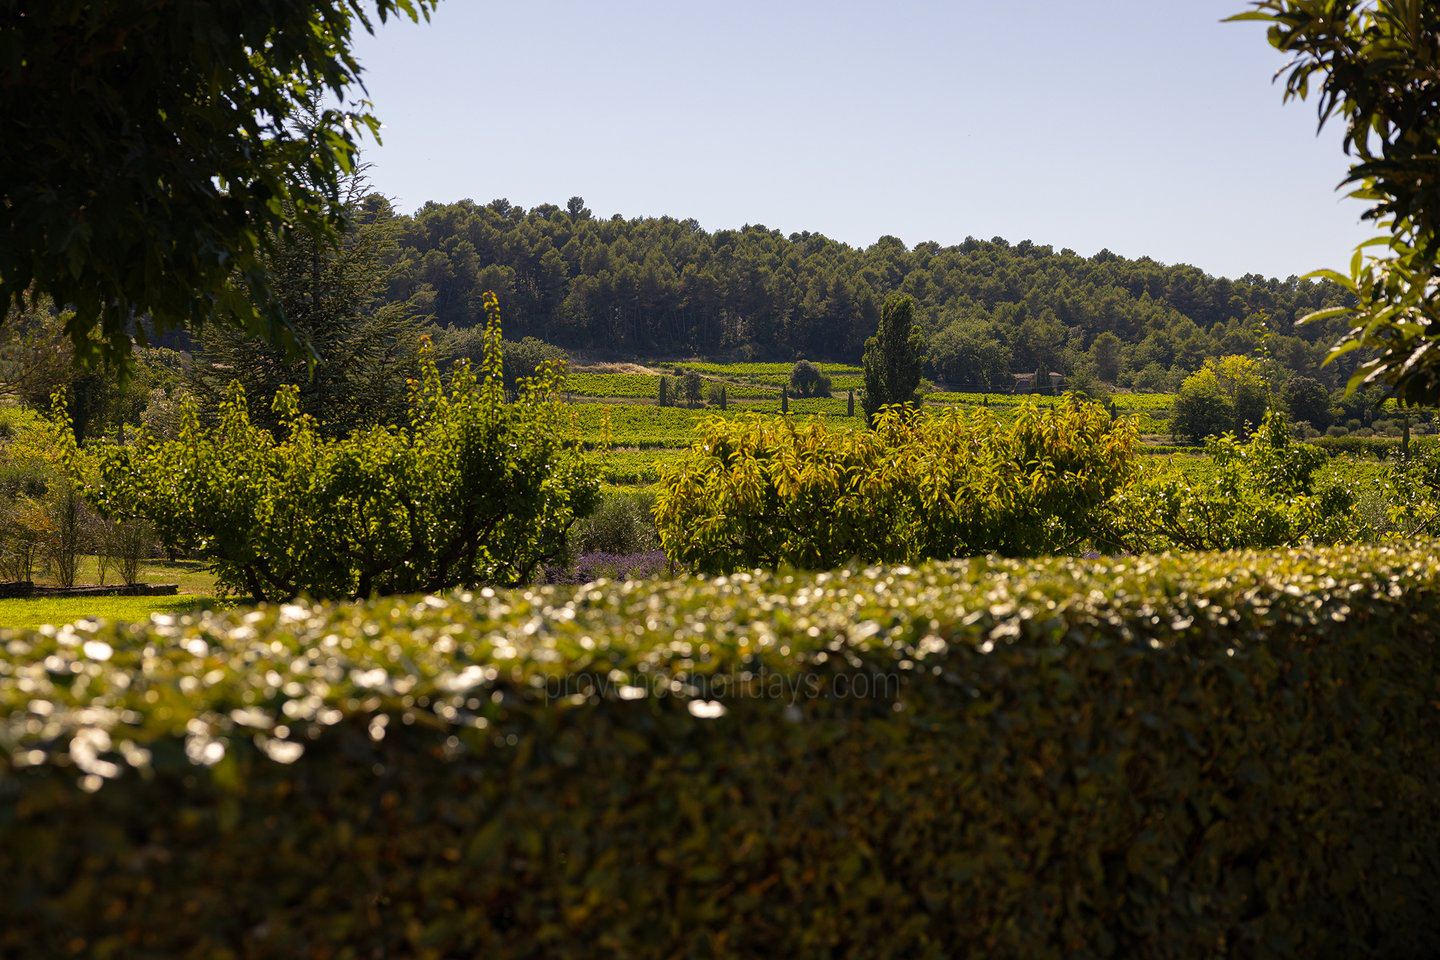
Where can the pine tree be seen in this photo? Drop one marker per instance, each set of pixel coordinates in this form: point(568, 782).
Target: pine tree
point(784, 400)
point(362, 346)
point(850, 404)
point(664, 399)
point(893, 358)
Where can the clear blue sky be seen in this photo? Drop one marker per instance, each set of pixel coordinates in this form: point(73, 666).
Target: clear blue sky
point(1144, 126)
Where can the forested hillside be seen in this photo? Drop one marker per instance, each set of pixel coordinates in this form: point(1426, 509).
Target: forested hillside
point(660, 286)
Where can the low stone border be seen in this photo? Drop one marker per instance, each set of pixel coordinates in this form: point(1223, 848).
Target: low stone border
point(25, 589)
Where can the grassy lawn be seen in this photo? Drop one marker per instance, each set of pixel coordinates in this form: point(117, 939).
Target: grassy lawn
point(25, 614)
point(191, 575)
point(197, 589)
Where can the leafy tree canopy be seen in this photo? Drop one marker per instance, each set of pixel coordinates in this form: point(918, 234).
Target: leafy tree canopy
point(1228, 394)
point(474, 490)
point(986, 309)
point(770, 492)
point(1374, 62)
point(1307, 400)
point(1266, 492)
point(149, 156)
point(806, 380)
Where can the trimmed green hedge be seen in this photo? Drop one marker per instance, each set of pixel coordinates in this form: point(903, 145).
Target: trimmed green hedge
point(1199, 756)
point(1381, 448)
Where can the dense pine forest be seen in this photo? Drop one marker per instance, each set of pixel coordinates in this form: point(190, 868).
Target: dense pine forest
point(987, 309)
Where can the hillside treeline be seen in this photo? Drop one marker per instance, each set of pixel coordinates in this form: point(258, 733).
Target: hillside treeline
point(988, 309)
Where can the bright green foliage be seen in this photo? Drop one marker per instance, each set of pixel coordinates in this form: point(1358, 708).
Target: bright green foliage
point(1374, 64)
point(1263, 493)
point(894, 358)
point(1411, 487)
point(475, 490)
point(587, 384)
point(27, 482)
point(37, 611)
point(149, 155)
point(1228, 394)
point(37, 359)
point(35, 356)
point(1182, 758)
point(631, 467)
point(765, 492)
point(642, 426)
point(44, 525)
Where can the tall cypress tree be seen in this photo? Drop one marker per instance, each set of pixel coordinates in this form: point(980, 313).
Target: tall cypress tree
point(893, 357)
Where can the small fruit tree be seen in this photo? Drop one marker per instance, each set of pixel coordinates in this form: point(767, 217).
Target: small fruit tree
point(1267, 492)
point(766, 492)
point(475, 490)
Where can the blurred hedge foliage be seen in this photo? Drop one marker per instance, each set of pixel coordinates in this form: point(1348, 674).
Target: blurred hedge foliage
point(1199, 756)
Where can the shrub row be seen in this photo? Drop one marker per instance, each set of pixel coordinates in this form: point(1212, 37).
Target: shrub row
point(1180, 757)
point(1380, 448)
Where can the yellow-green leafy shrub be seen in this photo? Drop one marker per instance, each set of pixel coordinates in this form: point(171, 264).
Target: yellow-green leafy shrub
point(1265, 492)
point(765, 492)
point(1190, 757)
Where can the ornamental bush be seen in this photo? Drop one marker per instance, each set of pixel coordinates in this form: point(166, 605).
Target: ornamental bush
point(475, 490)
point(765, 492)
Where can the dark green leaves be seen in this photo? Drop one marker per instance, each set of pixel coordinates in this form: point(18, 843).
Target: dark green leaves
point(1139, 757)
point(893, 357)
point(150, 156)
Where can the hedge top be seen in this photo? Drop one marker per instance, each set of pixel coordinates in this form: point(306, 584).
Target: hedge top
point(180, 689)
